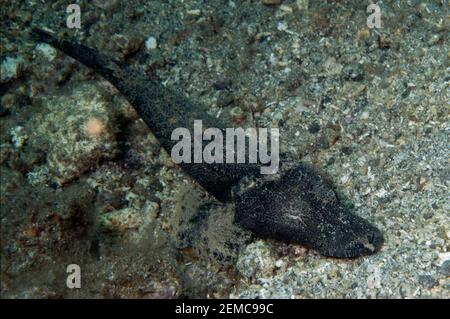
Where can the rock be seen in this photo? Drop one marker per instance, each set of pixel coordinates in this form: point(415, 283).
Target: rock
point(194, 12)
point(286, 9)
point(364, 115)
point(354, 72)
point(302, 5)
point(47, 51)
point(332, 67)
point(223, 83)
point(314, 128)
point(126, 44)
point(445, 268)
point(19, 136)
point(374, 279)
point(406, 291)
point(363, 34)
point(271, 2)
point(151, 43)
point(79, 130)
point(122, 220)
point(427, 281)
point(10, 69)
point(256, 261)
point(434, 39)
point(279, 263)
point(224, 99)
point(237, 114)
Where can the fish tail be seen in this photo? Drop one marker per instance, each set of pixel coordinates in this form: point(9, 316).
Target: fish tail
point(93, 59)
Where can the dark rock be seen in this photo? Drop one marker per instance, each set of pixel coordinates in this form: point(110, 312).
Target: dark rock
point(445, 268)
point(223, 84)
point(353, 72)
point(346, 150)
point(323, 142)
point(428, 215)
point(314, 128)
point(326, 99)
point(225, 98)
point(427, 281)
point(362, 103)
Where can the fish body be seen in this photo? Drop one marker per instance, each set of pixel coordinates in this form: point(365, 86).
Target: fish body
point(296, 205)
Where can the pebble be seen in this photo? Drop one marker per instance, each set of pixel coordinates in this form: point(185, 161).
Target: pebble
point(354, 72)
point(255, 261)
point(151, 43)
point(126, 44)
point(302, 5)
point(445, 268)
point(271, 2)
point(224, 99)
point(279, 263)
point(344, 179)
point(237, 114)
point(19, 136)
point(427, 281)
point(314, 128)
point(364, 115)
point(286, 9)
point(194, 12)
point(47, 51)
point(435, 38)
point(10, 69)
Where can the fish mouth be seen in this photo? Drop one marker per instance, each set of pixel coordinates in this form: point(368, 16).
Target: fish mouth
point(367, 244)
point(301, 207)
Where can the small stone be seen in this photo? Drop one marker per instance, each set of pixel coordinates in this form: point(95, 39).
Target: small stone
point(445, 268)
point(348, 119)
point(282, 26)
point(194, 12)
point(384, 43)
point(122, 220)
point(302, 5)
point(225, 98)
point(286, 9)
point(405, 291)
point(125, 44)
point(443, 257)
point(374, 279)
point(237, 114)
point(10, 69)
point(151, 43)
point(428, 215)
point(271, 2)
point(427, 281)
point(345, 178)
point(332, 67)
point(434, 39)
point(222, 84)
point(47, 51)
point(314, 128)
point(364, 115)
point(323, 142)
point(363, 34)
point(354, 72)
point(255, 261)
point(346, 150)
point(19, 136)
